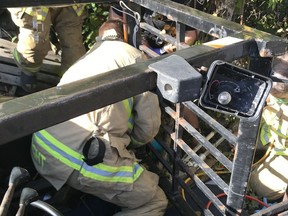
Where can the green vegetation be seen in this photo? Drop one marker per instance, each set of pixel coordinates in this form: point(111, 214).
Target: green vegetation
point(97, 14)
point(269, 16)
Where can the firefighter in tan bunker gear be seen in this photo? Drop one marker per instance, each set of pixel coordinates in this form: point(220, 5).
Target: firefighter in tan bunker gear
point(34, 38)
point(118, 178)
point(270, 178)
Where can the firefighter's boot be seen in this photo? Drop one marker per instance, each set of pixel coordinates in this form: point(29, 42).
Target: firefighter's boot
point(28, 82)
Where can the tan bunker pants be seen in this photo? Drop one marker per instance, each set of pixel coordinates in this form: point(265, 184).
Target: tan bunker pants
point(145, 199)
point(68, 26)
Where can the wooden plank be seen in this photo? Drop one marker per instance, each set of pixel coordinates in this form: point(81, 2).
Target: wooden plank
point(10, 46)
point(47, 77)
point(10, 79)
point(6, 56)
point(48, 66)
point(50, 80)
point(10, 69)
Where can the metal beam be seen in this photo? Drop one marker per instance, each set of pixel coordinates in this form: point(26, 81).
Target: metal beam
point(33, 3)
point(25, 115)
point(268, 44)
point(216, 26)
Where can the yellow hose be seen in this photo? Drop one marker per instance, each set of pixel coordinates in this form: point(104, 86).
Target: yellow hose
point(199, 174)
point(264, 156)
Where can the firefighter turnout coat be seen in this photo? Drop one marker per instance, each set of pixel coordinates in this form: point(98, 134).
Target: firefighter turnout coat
point(269, 179)
point(57, 151)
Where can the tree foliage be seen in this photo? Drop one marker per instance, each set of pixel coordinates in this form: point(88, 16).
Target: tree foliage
point(97, 14)
point(273, 3)
point(269, 16)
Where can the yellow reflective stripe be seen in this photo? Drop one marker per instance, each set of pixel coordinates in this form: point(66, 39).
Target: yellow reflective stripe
point(106, 179)
point(131, 122)
point(264, 134)
point(60, 145)
point(283, 152)
point(267, 137)
point(78, 9)
point(23, 9)
point(21, 65)
point(115, 179)
point(128, 104)
point(28, 10)
point(113, 169)
point(40, 12)
point(16, 56)
point(56, 154)
point(138, 172)
point(100, 172)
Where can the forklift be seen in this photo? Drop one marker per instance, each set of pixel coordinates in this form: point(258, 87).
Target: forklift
point(171, 154)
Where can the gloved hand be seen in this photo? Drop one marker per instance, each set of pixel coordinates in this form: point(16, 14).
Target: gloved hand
point(141, 152)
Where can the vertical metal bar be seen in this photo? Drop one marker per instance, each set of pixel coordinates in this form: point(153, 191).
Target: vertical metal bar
point(242, 163)
point(180, 34)
point(131, 23)
point(246, 146)
point(260, 65)
point(177, 149)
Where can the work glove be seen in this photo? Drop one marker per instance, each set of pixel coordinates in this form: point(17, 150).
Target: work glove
point(141, 152)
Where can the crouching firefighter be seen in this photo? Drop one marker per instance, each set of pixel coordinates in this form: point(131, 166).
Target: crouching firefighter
point(93, 152)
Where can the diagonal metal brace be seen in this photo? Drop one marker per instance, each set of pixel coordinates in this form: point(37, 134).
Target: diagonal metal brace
point(177, 80)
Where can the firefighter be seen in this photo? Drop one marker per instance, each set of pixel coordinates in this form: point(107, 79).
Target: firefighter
point(105, 138)
point(270, 178)
point(34, 42)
